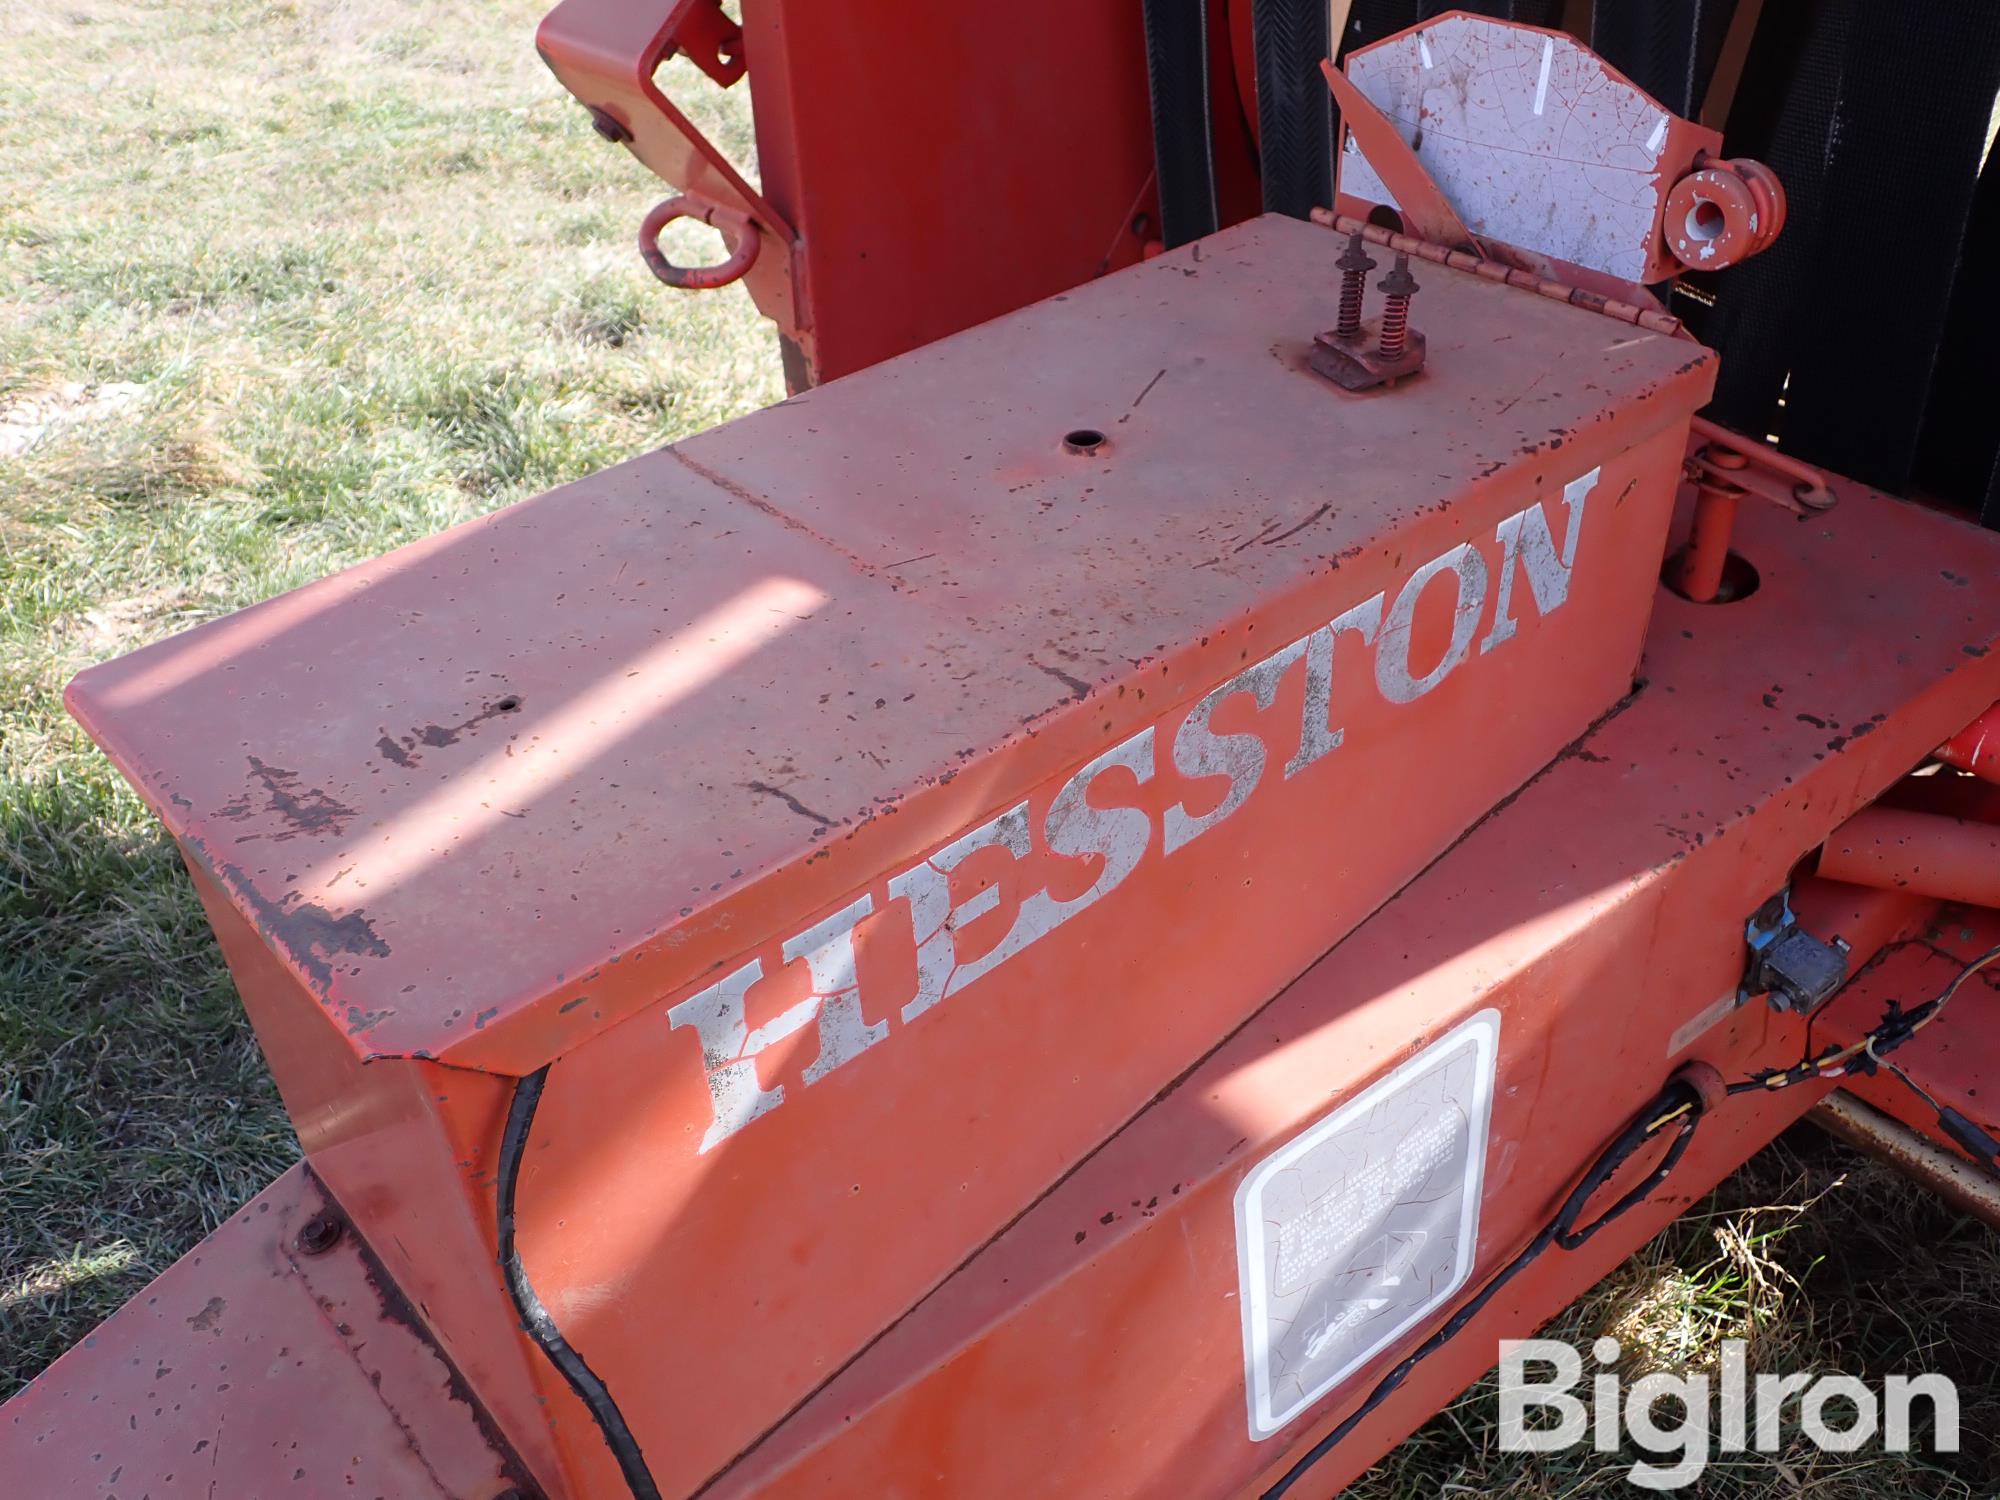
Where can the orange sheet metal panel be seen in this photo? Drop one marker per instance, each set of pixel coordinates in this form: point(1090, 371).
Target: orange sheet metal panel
point(873, 803)
point(877, 123)
point(407, 1146)
point(656, 715)
point(1595, 924)
point(254, 1369)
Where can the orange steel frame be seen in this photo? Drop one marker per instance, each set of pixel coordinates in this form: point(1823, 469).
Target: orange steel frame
point(831, 979)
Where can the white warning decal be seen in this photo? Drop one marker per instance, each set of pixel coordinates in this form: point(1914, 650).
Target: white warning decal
point(1355, 1231)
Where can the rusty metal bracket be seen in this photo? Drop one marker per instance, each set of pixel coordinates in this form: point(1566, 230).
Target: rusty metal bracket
point(1358, 363)
point(1807, 487)
point(606, 52)
point(707, 37)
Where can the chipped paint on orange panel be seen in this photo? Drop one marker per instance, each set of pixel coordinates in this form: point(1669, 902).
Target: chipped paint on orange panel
point(660, 714)
point(255, 1368)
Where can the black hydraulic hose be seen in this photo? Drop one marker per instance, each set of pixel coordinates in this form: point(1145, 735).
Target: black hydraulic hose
point(535, 1319)
point(1678, 1105)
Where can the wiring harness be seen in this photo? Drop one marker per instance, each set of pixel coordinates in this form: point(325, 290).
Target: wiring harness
point(1672, 1114)
point(1870, 1052)
point(1678, 1107)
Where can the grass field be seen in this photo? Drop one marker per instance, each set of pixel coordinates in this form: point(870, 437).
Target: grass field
point(283, 285)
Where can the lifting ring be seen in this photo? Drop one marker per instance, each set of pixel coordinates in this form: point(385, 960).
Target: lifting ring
point(738, 230)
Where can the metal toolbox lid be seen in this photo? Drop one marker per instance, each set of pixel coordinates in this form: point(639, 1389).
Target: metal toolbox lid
point(665, 712)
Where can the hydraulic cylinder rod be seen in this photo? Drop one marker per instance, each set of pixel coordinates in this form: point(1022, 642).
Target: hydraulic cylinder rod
point(1927, 854)
point(1976, 748)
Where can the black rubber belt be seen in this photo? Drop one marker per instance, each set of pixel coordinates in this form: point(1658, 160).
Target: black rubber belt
point(1783, 116)
point(1177, 79)
point(1667, 47)
point(1532, 12)
point(1853, 302)
point(1903, 166)
point(1294, 106)
point(1960, 456)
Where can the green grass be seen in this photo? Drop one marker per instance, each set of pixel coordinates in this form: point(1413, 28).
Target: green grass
point(285, 285)
point(291, 283)
point(1822, 1262)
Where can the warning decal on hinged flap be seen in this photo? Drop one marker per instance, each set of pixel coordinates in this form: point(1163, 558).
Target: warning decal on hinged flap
point(1357, 1230)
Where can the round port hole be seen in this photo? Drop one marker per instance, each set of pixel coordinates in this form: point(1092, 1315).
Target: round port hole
point(1082, 440)
point(1705, 221)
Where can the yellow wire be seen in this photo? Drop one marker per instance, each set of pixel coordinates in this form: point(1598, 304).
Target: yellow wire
point(1669, 1117)
point(1952, 989)
point(1822, 1065)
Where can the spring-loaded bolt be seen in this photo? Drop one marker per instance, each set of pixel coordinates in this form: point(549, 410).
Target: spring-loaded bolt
point(1355, 264)
point(1399, 286)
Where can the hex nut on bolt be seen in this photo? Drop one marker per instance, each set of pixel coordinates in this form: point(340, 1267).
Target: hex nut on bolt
point(320, 1234)
point(608, 125)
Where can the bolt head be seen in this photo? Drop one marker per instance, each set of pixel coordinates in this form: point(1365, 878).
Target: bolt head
point(1355, 257)
point(320, 1234)
point(608, 125)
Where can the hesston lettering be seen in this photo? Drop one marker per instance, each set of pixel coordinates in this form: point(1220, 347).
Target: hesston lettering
point(1122, 837)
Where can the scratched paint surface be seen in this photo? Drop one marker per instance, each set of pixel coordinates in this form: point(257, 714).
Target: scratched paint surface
point(1533, 139)
point(1598, 911)
point(660, 714)
point(249, 1369)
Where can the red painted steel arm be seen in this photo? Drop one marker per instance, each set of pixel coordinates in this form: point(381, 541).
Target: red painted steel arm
point(1976, 748)
point(1809, 486)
